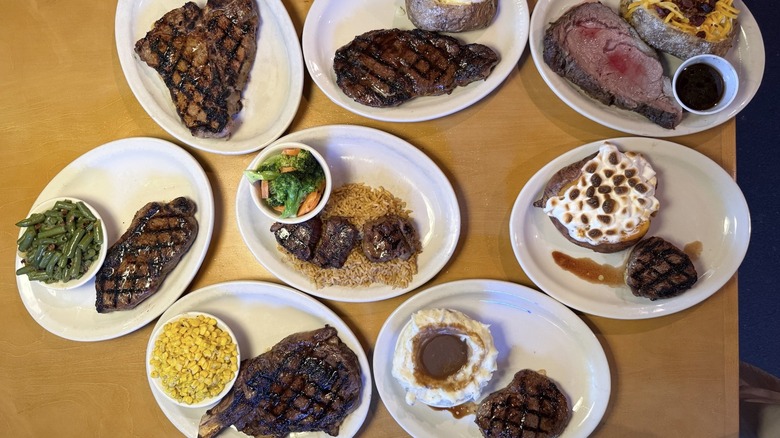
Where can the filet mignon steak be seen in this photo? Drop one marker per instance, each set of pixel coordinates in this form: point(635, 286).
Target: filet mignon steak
point(657, 269)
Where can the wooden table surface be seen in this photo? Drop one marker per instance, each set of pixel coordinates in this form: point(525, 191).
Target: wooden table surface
point(64, 93)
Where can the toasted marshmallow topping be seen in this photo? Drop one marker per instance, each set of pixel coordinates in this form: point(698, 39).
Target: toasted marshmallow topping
point(611, 201)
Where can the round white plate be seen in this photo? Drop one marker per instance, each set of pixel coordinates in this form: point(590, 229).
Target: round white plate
point(699, 202)
point(530, 330)
point(331, 24)
point(271, 97)
point(364, 155)
point(118, 178)
point(262, 314)
point(747, 56)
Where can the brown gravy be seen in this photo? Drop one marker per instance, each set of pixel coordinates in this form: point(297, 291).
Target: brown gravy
point(590, 271)
point(693, 250)
point(460, 411)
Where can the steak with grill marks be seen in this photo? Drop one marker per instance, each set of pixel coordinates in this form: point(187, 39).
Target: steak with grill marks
point(299, 239)
point(339, 236)
point(657, 269)
point(309, 381)
point(389, 237)
point(204, 57)
point(138, 263)
point(385, 68)
point(531, 406)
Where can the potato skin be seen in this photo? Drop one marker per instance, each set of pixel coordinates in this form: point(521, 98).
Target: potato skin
point(443, 16)
point(673, 41)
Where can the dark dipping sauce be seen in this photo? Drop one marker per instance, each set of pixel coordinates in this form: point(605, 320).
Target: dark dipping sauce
point(700, 87)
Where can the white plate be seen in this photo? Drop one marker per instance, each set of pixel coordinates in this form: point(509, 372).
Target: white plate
point(530, 330)
point(262, 314)
point(376, 158)
point(118, 178)
point(747, 56)
point(699, 202)
point(271, 96)
point(331, 24)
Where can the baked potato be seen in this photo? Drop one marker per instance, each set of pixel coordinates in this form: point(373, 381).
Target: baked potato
point(703, 26)
point(451, 15)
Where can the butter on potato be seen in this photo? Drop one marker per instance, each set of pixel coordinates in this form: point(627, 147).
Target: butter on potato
point(451, 15)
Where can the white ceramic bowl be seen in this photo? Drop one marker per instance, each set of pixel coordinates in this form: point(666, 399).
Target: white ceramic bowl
point(157, 381)
point(726, 71)
point(93, 268)
point(276, 149)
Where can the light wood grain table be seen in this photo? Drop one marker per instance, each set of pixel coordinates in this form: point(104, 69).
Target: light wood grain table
point(63, 93)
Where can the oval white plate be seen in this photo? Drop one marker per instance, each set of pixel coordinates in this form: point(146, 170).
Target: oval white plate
point(747, 56)
point(376, 158)
point(331, 24)
point(118, 178)
point(271, 97)
point(262, 314)
point(530, 330)
point(699, 202)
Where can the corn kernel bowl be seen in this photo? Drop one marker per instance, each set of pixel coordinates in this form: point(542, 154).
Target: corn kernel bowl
point(193, 359)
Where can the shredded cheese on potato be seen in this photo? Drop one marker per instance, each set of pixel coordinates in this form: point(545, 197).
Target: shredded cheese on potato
point(717, 25)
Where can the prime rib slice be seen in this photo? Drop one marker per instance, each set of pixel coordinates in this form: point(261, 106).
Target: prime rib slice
point(657, 269)
point(138, 263)
point(309, 381)
point(596, 49)
point(204, 57)
point(531, 406)
point(385, 68)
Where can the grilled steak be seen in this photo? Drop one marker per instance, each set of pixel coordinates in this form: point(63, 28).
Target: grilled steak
point(204, 57)
point(531, 406)
point(389, 237)
point(657, 269)
point(137, 264)
point(309, 381)
point(385, 68)
point(596, 49)
point(339, 236)
point(299, 239)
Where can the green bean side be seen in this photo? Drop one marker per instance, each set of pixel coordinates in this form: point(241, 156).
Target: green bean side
point(59, 244)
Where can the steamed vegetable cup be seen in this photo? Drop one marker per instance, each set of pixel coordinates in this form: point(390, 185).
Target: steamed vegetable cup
point(290, 182)
point(61, 243)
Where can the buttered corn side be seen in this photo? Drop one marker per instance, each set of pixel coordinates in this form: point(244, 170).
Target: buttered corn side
point(194, 359)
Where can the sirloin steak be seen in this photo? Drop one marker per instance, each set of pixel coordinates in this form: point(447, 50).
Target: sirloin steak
point(597, 50)
point(204, 57)
point(137, 264)
point(385, 68)
point(657, 269)
point(309, 381)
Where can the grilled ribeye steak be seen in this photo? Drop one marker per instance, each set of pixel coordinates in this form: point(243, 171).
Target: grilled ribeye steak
point(137, 264)
point(309, 381)
point(531, 406)
point(597, 50)
point(339, 236)
point(385, 68)
point(389, 237)
point(657, 269)
point(204, 57)
point(299, 239)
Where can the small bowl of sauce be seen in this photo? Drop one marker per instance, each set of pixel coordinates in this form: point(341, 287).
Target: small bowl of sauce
point(705, 84)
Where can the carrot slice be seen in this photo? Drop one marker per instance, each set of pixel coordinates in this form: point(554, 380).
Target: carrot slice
point(286, 169)
point(291, 151)
point(309, 202)
point(279, 208)
point(265, 191)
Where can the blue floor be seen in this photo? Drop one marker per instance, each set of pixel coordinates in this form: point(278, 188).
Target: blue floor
point(758, 174)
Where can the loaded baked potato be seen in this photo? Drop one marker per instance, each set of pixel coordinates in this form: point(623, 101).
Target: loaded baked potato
point(451, 15)
point(684, 28)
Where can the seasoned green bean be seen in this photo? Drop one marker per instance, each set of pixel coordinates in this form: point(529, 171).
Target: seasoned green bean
point(60, 243)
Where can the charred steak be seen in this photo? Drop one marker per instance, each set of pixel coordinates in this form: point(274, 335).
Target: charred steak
point(204, 57)
point(309, 381)
point(385, 68)
point(597, 50)
point(299, 239)
point(339, 236)
point(389, 237)
point(137, 264)
point(531, 406)
point(657, 269)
